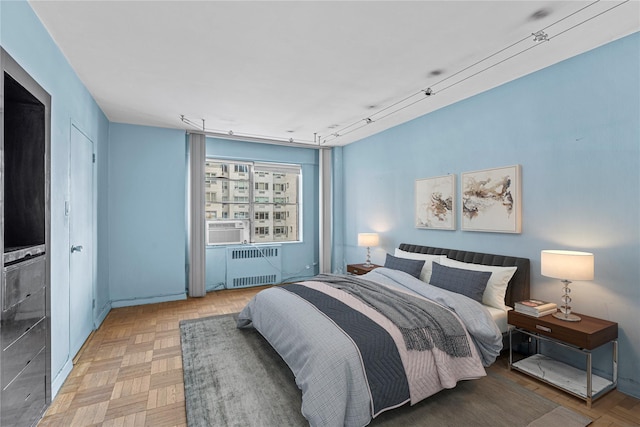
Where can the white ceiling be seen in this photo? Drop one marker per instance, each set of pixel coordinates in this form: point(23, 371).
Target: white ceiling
point(308, 70)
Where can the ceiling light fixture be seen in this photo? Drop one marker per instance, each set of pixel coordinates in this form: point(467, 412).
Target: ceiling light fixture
point(368, 120)
point(539, 14)
point(540, 36)
point(428, 91)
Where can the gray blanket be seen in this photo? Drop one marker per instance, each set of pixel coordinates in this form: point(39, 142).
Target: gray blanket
point(424, 324)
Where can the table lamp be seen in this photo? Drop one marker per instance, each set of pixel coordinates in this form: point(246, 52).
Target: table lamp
point(567, 266)
point(368, 240)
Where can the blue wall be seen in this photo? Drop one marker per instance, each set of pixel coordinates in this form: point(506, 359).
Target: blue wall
point(147, 196)
point(27, 41)
point(296, 256)
point(575, 129)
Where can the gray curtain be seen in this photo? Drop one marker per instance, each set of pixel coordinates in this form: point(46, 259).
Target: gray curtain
point(325, 210)
point(196, 258)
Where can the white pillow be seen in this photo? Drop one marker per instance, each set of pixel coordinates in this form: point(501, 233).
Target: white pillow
point(425, 274)
point(496, 288)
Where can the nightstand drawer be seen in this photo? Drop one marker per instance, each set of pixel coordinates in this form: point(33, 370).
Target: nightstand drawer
point(588, 333)
point(360, 269)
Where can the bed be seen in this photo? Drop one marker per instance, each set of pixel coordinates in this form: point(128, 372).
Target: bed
point(362, 345)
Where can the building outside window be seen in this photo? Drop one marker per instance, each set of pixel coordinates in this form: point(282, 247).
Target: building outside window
point(261, 198)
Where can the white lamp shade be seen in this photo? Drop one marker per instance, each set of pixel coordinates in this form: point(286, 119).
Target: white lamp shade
point(567, 265)
point(368, 239)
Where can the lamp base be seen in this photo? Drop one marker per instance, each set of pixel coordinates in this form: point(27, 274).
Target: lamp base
point(568, 317)
point(367, 263)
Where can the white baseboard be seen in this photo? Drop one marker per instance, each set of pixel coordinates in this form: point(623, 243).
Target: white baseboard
point(102, 315)
point(149, 300)
point(59, 380)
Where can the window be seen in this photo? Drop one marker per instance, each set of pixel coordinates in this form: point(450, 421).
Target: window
point(262, 215)
point(281, 200)
point(280, 231)
point(264, 195)
point(262, 231)
point(240, 168)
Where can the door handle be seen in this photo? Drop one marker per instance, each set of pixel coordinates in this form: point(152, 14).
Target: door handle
point(76, 248)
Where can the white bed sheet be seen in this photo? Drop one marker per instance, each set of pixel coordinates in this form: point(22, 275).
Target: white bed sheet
point(500, 317)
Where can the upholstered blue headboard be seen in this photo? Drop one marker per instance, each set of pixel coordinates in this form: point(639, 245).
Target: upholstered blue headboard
point(518, 288)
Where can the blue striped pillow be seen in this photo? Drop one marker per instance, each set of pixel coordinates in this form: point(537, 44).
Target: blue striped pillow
point(470, 283)
point(410, 266)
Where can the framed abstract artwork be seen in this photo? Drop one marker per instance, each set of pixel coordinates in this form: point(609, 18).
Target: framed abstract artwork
point(435, 202)
point(492, 200)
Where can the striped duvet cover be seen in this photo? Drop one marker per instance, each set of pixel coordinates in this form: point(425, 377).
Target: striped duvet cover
point(352, 356)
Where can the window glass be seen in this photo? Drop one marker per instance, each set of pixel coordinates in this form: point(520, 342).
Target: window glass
point(252, 202)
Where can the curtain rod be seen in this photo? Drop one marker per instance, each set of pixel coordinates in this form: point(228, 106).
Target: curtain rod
point(258, 139)
point(250, 138)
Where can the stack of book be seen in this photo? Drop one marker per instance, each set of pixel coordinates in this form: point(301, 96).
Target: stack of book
point(535, 308)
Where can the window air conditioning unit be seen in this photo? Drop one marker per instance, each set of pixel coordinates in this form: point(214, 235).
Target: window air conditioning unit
point(227, 232)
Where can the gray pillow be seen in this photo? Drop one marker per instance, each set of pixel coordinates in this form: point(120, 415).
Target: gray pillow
point(466, 282)
point(410, 266)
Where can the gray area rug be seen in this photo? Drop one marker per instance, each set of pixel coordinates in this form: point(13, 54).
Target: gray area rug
point(233, 377)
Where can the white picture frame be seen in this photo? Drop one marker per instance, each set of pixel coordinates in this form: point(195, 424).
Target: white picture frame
point(435, 203)
point(491, 200)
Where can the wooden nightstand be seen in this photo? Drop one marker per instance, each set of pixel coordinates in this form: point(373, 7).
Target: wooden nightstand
point(360, 269)
point(584, 336)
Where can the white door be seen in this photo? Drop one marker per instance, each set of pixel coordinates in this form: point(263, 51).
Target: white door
point(81, 240)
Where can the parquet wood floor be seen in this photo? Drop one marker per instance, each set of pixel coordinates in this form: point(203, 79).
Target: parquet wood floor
point(129, 372)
